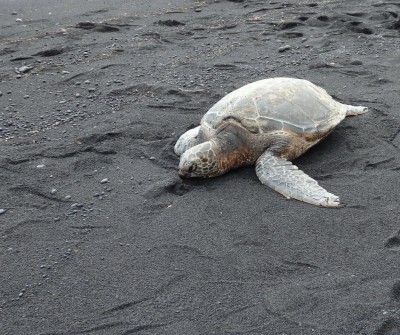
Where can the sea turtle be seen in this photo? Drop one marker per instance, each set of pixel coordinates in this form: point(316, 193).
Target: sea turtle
point(267, 123)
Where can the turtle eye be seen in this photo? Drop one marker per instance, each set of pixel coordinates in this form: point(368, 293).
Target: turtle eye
point(192, 167)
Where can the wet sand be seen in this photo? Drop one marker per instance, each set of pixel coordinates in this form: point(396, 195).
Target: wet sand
point(98, 233)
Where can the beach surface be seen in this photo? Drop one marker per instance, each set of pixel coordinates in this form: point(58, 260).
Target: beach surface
point(99, 235)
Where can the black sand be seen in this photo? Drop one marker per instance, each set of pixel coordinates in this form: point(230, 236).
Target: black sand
point(98, 233)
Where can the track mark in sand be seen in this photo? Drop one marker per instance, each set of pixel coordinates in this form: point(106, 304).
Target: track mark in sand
point(396, 139)
point(383, 16)
point(359, 27)
point(141, 89)
point(98, 11)
point(8, 164)
point(389, 327)
point(291, 34)
point(164, 287)
point(267, 9)
point(170, 23)
point(73, 153)
point(51, 52)
point(34, 191)
point(182, 249)
point(99, 27)
point(91, 227)
point(395, 293)
point(75, 76)
point(126, 305)
point(303, 18)
point(177, 188)
point(353, 73)
point(237, 310)
point(16, 161)
point(101, 327)
point(393, 242)
point(88, 163)
point(386, 3)
point(7, 51)
point(82, 145)
point(357, 14)
point(318, 22)
point(321, 65)
point(144, 327)
point(96, 138)
point(394, 26)
point(172, 186)
point(173, 107)
point(23, 224)
point(287, 25)
point(301, 264)
point(323, 18)
point(356, 22)
point(225, 66)
point(18, 58)
point(373, 165)
point(249, 243)
point(106, 66)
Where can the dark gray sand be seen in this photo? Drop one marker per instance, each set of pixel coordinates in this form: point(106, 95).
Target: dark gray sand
point(98, 233)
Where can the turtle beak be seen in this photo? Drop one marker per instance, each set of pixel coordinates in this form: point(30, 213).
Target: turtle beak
point(183, 174)
point(186, 170)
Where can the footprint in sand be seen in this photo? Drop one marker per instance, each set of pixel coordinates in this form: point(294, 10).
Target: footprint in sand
point(393, 242)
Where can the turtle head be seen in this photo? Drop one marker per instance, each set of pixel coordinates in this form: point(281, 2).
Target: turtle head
point(199, 161)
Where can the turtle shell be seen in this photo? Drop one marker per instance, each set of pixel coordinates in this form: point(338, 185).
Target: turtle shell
point(290, 104)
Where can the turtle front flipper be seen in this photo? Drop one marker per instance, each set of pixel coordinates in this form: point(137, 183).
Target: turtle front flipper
point(285, 178)
point(186, 141)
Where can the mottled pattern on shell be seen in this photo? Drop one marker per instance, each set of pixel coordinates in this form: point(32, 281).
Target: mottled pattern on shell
point(290, 104)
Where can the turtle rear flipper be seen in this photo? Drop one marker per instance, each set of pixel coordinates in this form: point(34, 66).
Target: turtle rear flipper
point(285, 178)
point(355, 110)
